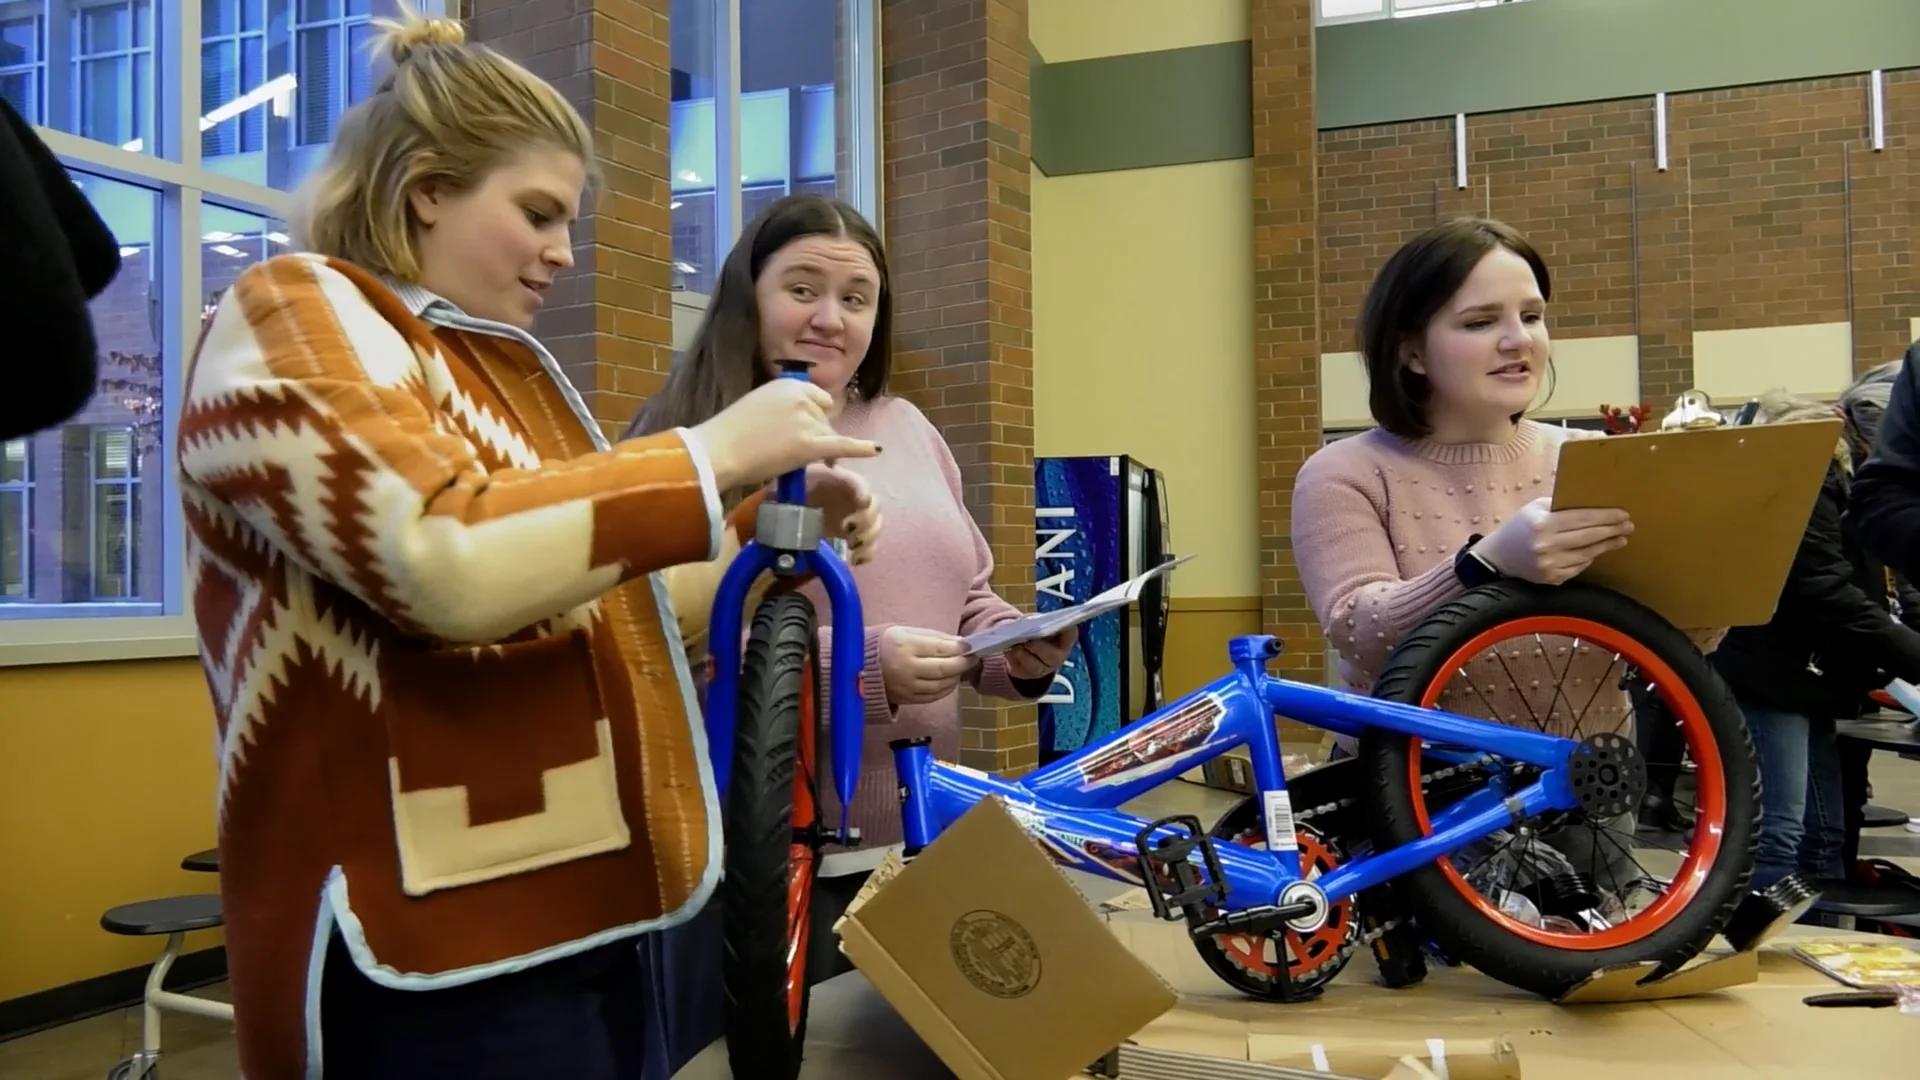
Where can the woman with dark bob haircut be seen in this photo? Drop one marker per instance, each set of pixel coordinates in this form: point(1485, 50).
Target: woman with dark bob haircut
point(1454, 486)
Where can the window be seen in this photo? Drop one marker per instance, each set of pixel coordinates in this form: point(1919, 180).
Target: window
point(778, 93)
point(113, 514)
point(16, 519)
point(194, 184)
point(275, 75)
point(1332, 11)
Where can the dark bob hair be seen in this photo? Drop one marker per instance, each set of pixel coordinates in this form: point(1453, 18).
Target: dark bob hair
point(1407, 293)
point(724, 363)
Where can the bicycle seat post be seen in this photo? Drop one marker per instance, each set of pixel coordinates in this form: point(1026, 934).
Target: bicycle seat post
point(785, 523)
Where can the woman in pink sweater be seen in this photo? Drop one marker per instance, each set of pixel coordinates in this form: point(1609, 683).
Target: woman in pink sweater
point(1455, 483)
point(808, 280)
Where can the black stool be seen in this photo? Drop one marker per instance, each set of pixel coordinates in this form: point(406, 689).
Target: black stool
point(203, 862)
point(1850, 901)
point(1883, 817)
point(176, 917)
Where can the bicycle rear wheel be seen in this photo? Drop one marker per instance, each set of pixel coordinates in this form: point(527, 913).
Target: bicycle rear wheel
point(1549, 905)
point(767, 892)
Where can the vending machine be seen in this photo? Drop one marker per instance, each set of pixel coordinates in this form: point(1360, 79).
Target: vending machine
point(1099, 521)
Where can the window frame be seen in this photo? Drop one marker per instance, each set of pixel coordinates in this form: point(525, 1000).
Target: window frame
point(185, 186)
point(858, 68)
point(24, 489)
point(1394, 9)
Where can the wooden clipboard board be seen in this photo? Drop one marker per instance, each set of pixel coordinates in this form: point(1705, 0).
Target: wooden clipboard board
point(1717, 514)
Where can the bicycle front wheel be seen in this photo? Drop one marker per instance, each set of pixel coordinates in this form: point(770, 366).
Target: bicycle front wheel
point(766, 895)
point(1548, 901)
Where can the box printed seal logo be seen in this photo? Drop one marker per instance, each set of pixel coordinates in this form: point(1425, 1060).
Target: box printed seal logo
point(996, 954)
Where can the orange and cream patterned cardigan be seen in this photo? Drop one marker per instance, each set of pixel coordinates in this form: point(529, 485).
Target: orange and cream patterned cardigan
point(456, 722)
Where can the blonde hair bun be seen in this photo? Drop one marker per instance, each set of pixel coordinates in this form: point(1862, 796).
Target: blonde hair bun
point(411, 33)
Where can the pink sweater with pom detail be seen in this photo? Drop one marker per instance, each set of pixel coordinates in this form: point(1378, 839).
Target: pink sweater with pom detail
point(932, 569)
point(1376, 522)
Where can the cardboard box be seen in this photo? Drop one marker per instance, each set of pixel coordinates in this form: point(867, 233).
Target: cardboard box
point(994, 959)
point(1728, 1016)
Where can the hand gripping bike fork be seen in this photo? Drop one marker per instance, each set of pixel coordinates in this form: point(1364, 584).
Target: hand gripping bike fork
point(788, 542)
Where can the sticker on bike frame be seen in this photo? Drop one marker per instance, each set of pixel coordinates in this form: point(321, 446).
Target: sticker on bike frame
point(1144, 751)
point(1280, 831)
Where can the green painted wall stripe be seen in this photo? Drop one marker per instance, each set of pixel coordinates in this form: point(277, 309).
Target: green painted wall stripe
point(1185, 105)
point(1558, 52)
point(1142, 110)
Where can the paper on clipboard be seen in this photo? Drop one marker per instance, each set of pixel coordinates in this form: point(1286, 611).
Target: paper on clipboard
point(1045, 624)
point(1717, 514)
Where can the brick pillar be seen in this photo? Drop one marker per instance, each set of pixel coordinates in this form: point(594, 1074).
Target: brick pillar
point(956, 152)
point(609, 320)
point(1286, 309)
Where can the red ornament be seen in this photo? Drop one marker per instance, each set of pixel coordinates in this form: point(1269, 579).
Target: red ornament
point(1625, 421)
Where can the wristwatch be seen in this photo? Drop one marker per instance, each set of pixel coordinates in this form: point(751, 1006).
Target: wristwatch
point(1472, 570)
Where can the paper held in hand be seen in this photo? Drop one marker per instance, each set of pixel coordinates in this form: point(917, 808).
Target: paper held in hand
point(1045, 624)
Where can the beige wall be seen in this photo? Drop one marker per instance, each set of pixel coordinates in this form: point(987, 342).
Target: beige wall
point(106, 782)
point(1143, 345)
point(1083, 29)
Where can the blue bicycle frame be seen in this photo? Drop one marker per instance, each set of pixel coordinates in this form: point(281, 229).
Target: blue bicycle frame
point(787, 548)
point(1069, 807)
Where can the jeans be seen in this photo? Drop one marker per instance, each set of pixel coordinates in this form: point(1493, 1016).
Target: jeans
point(1802, 811)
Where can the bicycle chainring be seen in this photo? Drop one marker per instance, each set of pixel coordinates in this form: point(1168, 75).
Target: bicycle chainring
point(1312, 960)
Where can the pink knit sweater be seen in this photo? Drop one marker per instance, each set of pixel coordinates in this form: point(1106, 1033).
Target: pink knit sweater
point(933, 570)
point(1376, 522)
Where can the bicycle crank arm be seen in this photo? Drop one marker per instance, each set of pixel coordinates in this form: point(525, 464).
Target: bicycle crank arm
point(1267, 919)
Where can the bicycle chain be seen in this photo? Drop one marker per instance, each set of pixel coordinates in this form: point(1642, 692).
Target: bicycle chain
point(1368, 937)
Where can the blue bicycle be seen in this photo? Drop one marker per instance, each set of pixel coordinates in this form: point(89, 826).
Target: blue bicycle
point(1508, 843)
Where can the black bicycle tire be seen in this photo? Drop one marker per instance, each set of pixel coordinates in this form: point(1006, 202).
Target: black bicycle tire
point(1450, 918)
point(759, 837)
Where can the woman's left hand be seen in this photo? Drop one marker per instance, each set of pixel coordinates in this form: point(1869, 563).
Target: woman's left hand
point(848, 507)
point(1036, 659)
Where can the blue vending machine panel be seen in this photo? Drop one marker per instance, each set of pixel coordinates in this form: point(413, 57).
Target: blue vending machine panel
point(1080, 550)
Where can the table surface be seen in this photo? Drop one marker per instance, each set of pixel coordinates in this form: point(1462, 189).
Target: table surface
point(1883, 731)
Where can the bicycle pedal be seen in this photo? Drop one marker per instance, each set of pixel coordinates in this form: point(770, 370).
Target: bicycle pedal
point(1173, 885)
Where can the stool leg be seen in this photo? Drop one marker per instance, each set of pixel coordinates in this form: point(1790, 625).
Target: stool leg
point(150, 1026)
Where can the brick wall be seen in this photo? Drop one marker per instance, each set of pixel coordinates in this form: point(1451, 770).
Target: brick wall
point(609, 320)
point(956, 153)
point(1773, 212)
point(1286, 307)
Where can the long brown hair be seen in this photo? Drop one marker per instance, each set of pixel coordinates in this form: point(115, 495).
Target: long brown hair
point(723, 363)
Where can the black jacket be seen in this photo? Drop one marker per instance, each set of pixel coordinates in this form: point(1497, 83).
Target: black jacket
point(1886, 491)
point(55, 255)
point(1833, 637)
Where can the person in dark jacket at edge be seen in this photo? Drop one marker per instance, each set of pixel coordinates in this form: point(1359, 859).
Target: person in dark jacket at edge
point(1833, 639)
point(55, 255)
point(1885, 504)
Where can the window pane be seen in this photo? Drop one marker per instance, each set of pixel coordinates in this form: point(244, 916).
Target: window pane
point(270, 113)
point(694, 136)
point(233, 240)
point(792, 99)
point(85, 68)
point(93, 494)
point(1339, 9)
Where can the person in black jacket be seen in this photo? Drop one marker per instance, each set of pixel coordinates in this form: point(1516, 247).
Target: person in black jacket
point(1885, 505)
point(1833, 638)
point(55, 255)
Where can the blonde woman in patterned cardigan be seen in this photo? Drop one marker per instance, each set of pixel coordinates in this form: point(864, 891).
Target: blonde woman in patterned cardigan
point(460, 765)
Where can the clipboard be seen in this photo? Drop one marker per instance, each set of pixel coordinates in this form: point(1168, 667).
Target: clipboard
point(1718, 514)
